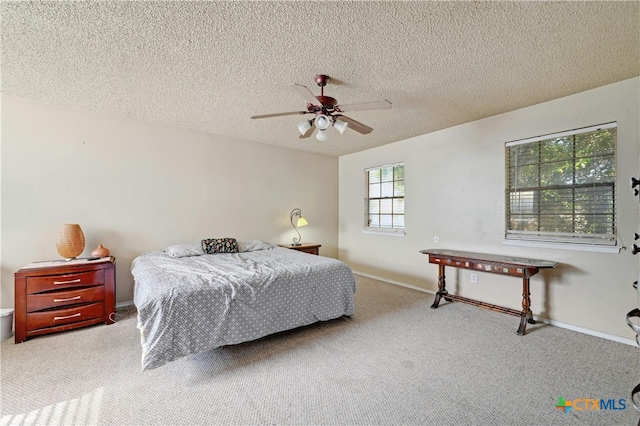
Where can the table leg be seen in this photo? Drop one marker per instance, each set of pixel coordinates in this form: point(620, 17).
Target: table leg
point(442, 288)
point(526, 316)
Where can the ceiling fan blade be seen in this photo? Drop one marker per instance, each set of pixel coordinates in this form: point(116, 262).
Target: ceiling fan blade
point(280, 114)
point(365, 106)
point(306, 94)
point(307, 133)
point(355, 125)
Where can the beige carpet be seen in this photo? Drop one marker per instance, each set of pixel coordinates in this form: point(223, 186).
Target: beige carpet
point(395, 362)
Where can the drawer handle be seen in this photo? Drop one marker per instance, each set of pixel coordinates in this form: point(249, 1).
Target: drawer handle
point(67, 299)
point(68, 316)
point(67, 282)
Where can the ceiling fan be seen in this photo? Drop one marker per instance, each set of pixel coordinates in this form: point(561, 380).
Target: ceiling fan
point(327, 112)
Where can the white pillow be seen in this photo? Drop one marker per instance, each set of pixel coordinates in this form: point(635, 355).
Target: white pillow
point(184, 250)
point(253, 245)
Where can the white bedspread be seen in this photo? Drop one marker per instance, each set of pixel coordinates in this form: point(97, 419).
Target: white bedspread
point(193, 304)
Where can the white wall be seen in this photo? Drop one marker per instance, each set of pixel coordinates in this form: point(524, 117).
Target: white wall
point(455, 190)
point(136, 187)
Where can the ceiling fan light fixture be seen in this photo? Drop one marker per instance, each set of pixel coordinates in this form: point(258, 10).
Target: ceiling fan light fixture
point(340, 126)
point(322, 122)
point(321, 135)
point(304, 126)
point(327, 112)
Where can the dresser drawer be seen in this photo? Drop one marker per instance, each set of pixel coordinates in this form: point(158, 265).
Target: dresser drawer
point(37, 320)
point(55, 282)
point(56, 299)
point(310, 250)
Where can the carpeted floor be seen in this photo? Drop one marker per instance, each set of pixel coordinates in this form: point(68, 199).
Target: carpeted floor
point(395, 362)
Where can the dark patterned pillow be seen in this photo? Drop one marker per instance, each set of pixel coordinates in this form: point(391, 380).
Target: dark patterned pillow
point(220, 245)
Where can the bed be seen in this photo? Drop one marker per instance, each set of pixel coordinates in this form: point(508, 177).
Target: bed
point(190, 302)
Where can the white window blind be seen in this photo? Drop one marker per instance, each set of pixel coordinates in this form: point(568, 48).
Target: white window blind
point(384, 203)
point(561, 188)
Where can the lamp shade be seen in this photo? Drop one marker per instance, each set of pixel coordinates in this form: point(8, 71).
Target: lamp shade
point(340, 126)
point(321, 135)
point(322, 122)
point(301, 222)
point(304, 126)
point(70, 241)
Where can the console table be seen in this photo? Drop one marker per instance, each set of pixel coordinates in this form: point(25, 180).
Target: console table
point(524, 268)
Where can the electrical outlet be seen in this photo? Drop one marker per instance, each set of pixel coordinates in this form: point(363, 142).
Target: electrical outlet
point(474, 278)
point(436, 239)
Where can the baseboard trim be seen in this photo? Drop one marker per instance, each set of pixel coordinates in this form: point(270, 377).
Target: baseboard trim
point(398, 283)
point(588, 331)
point(124, 304)
point(543, 320)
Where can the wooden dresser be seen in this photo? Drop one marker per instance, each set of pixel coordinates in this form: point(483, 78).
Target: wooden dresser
point(59, 296)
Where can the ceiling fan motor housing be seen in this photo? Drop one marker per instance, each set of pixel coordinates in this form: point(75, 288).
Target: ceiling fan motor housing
point(326, 101)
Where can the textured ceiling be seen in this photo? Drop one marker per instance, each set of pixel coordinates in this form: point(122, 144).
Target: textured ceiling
point(211, 65)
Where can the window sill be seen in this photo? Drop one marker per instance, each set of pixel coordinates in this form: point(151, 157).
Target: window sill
point(563, 246)
point(389, 232)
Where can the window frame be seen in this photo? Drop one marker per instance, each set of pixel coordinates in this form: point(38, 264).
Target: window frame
point(590, 241)
point(385, 230)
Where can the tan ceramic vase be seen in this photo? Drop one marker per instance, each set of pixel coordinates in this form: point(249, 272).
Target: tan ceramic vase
point(100, 251)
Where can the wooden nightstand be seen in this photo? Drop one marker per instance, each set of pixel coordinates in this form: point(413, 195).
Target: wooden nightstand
point(60, 296)
point(306, 247)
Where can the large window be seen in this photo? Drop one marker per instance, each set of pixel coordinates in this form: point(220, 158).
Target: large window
point(384, 203)
point(560, 188)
